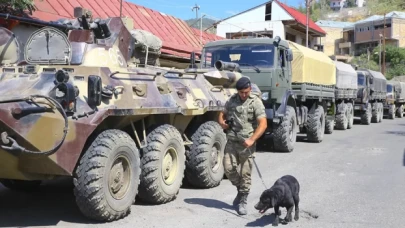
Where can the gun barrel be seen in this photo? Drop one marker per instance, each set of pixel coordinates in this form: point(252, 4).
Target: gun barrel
point(36, 21)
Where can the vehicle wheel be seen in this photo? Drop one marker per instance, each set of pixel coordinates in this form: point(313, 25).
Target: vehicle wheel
point(381, 112)
point(316, 125)
point(285, 135)
point(366, 116)
point(107, 177)
point(400, 111)
point(204, 168)
point(391, 112)
point(375, 113)
point(341, 118)
point(350, 119)
point(163, 165)
point(329, 126)
point(21, 185)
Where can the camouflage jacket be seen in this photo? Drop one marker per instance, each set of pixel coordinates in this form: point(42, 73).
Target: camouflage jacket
point(245, 115)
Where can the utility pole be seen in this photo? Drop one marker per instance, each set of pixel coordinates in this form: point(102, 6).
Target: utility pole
point(196, 7)
point(379, 57)
point(121, 8)
point(307, 2)
point(383, 64)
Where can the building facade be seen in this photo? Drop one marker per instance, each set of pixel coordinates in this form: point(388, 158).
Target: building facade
point(270, 19)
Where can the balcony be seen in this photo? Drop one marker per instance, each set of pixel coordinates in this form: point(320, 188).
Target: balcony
point(345, 45)
point(370, 36)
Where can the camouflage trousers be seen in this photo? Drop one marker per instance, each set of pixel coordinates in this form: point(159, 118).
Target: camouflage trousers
point(238, 164)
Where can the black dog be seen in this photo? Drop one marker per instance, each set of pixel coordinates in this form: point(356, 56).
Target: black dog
point(284, 193)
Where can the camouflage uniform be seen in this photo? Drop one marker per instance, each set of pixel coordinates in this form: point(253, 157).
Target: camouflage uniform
point(245, 116)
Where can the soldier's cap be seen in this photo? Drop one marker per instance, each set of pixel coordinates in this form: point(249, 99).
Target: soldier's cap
point(243, 83)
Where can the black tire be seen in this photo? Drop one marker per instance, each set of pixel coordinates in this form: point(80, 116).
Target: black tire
point(366, 116)
point(97, 174)
point(341, 118)
point(204, 168)
point(329, 126)
point(350, 119)
point(153, 188)
point(285, 134)
point(391, 112)
point(316, 125)
point(21, 185)
point(375, 113)
point(400, 111)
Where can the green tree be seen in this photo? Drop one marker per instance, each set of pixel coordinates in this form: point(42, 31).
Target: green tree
point(394, 58)
point(17, 6)
point(363, 61)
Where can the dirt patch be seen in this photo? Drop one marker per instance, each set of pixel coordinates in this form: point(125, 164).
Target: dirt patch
point(309, 215)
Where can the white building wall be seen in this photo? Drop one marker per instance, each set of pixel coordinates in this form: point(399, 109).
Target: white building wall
point(254, 21)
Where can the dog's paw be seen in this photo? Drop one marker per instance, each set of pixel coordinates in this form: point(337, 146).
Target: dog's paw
point(275, 222)
point(296, 217)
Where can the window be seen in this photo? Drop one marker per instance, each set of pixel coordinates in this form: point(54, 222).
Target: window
point(360, 79)
point(267, 16)
point(246, 55)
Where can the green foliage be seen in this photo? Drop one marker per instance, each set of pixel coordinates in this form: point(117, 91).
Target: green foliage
point(317, 10)
point(362, 61)
point(17, 6)
point(395, 57)
point(385, 6)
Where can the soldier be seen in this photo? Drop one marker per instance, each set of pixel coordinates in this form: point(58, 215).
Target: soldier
point(246, 111)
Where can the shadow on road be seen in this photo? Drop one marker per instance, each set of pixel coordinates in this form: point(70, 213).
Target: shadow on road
point(212, 203)
point(402, 133)
point(47, 206)
point(403, 160)
point(263, 221)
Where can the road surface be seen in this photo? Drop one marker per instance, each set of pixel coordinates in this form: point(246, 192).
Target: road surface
point(354, 178)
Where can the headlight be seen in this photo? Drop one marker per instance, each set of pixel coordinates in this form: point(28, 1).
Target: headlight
point(265, 96)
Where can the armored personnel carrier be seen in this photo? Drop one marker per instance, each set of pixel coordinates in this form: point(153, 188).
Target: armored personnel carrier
point(75, 106)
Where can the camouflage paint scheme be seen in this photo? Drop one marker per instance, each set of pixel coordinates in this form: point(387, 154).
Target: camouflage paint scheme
point(140, 95)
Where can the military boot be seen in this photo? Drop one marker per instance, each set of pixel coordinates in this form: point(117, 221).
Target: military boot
point(242, 208)
point(237, 198)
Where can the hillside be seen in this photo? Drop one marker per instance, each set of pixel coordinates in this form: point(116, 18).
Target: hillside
point(206, 23)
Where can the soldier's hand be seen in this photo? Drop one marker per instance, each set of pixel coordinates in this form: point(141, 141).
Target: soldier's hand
point(248, 143)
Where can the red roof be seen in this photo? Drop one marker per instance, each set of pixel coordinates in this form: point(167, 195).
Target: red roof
point(178, 38)
point(301, 18)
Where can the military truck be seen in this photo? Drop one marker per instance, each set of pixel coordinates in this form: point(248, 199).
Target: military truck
point(345, 95)
point(297, 84)
point(395, 103)
point(77, 107)
point(371, 95)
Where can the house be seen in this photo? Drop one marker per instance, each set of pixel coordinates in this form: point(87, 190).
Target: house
point(270, 19)
point(338, 41)
point(179, 39)
point(338, 4)
point(369, 32)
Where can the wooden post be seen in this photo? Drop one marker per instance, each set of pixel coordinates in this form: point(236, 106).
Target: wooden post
point(383, 58)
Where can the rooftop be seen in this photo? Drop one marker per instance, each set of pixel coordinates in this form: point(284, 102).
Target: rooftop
point(178, 38)
point(334, 24)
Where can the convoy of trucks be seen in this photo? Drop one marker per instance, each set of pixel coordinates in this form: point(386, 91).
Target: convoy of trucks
point(122, 129)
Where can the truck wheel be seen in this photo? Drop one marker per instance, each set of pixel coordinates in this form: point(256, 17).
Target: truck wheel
point(107, 177)
point(285, 135)
point(21, 185)
point(204, 168)
point(391, 112)
point(316, 125)
point(329, 126)
point(375, 113)
point(381, 112)
point(366, 116)
point(400, 111)
point(341, 118)
point(350, 119)
point(163, 165)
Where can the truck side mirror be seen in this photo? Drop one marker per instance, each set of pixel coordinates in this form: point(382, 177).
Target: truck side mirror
point(289, 55)
point(94, 87)
point(371, 80)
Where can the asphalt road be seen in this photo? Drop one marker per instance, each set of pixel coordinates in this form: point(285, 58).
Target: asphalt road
point(354, 178)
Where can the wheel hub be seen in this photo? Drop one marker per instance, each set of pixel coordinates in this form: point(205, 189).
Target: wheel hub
point(169, 166)
point(119, 178)
point(215, 158)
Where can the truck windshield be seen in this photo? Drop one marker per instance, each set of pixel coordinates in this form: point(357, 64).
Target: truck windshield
point(360, 79)
point(246, 55)
point(389, 88)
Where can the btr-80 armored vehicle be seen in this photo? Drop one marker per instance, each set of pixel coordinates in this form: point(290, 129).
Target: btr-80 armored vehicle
point(75, 108)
